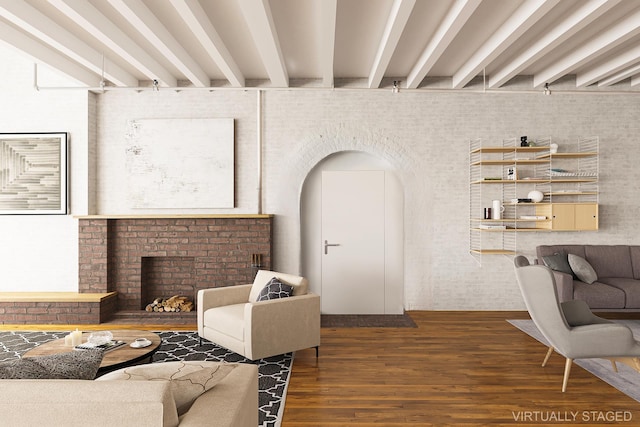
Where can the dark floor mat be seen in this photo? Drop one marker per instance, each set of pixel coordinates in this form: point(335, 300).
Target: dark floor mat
point(367, 321)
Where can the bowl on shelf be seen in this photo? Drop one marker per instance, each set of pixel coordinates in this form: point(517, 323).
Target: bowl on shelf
point(535, 196)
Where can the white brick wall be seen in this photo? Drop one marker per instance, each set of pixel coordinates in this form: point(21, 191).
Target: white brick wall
point(424, 135)
point(40, 252)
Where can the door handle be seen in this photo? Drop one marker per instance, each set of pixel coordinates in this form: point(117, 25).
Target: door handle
point(326, 246)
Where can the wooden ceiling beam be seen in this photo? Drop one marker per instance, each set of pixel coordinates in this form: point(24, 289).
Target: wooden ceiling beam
point(257, 14)
point(518, 23)
point(586, 13)
point(397, 21)
point(147, 24)
point(611, 66)
point(615, 35)
point(196, 19)
point(42, 53)
point(99, 26)
point(455, 19)
point(328, 13)
point(618, 77)
point(36, 23)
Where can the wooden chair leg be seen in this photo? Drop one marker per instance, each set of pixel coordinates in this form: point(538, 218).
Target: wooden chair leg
point(567, 370)
point(632, 362)
point(546, 358)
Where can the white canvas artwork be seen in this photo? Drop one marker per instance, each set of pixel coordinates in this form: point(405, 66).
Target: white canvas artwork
point(180, 163)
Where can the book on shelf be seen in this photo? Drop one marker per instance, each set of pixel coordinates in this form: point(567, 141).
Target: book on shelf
point(533, 217)
point(492, 227)
point(108, 346)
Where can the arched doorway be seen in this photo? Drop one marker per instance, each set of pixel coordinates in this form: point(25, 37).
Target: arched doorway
point(349, 280)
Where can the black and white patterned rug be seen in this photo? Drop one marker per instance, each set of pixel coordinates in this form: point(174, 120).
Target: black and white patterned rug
point(273, 372)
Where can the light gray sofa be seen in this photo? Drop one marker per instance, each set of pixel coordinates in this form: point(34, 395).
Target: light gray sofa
point(232, 402)
point(617, 286)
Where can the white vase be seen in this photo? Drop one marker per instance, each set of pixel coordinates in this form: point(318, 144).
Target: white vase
point(497, 209)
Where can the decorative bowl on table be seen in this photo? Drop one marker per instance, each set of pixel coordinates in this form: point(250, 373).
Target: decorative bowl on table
point(100, 337)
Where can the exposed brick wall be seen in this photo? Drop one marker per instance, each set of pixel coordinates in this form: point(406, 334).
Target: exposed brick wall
point(108, 307)
point(57, 312)
point(92, 256)
point(219, 249)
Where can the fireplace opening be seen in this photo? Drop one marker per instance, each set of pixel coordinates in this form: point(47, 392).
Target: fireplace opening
point(166, 277)
point(173, 304)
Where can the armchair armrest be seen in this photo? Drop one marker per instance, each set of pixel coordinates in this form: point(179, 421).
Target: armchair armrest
point(613, 340)
point(282, 325)
point(564, 285)
point(578, 313)
point(217, 297)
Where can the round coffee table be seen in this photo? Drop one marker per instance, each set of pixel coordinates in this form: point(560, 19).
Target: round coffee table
point(125, 355)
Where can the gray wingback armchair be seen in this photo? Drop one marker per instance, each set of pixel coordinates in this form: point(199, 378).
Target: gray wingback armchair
point(234, 318)
point(571, 328)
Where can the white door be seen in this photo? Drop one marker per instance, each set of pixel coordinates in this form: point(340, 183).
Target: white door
point(353, 242)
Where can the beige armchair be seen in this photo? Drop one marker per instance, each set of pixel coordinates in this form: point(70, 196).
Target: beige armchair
point(234, 318)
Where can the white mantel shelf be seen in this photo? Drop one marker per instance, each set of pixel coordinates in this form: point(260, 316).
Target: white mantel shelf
point(173, 216)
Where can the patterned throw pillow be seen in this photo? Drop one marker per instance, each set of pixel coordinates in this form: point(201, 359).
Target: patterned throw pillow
point(275, 289)
point(75, 365)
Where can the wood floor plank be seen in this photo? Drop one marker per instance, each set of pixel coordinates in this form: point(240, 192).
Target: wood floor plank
point(455, 368)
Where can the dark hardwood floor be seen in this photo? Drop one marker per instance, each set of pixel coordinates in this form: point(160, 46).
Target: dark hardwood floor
point(455, 368)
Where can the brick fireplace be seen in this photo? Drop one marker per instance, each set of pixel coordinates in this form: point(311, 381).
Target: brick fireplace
point(144, 257)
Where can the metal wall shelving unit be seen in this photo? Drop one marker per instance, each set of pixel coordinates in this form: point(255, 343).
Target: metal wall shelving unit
point(509, 172)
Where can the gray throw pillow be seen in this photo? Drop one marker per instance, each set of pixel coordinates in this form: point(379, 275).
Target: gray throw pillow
point(558, 262)
point(275, 289)
point(75, 365)
point(582, 269)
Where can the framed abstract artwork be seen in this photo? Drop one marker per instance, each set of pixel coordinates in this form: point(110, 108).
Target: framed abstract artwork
point(33, 173)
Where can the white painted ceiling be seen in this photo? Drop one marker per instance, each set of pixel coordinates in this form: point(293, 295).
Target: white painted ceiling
point(448, 44)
